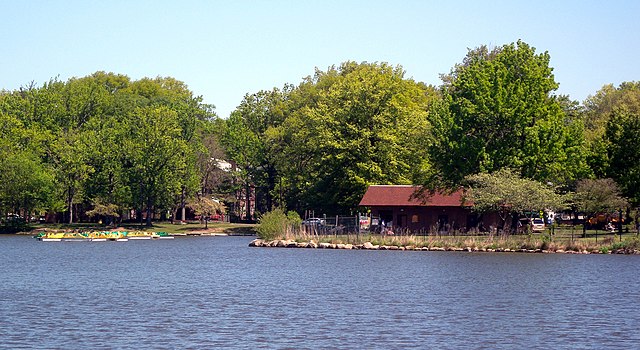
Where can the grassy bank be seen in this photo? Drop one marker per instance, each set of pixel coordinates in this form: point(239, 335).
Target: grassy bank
point(558, 240)
point(188, 228)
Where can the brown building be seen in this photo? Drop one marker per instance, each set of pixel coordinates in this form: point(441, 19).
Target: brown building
point(398, 206)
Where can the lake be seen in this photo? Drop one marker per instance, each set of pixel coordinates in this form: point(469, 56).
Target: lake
point(215, 292)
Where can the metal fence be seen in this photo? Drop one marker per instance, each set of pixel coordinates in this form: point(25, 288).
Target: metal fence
point(337, 225)
point(364, 224)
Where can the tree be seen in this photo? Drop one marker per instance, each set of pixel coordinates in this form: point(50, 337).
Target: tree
point(598, 196)
point(505, 192)
point(598, 111)
point(80, 130)
point(25, 184)
point(251, 140)
point(622, 132)
point(154, 158)
point(499, 113)
point(205, 207)
point(215, 177)
point(349, 127)
point(69, 155)
point(27, 181)
point(108, 210)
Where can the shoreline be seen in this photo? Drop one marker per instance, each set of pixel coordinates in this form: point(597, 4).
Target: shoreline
point(284, 243)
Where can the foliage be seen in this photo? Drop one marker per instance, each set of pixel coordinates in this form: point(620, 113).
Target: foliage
point(276, 223)
point(25, 184)
point(622, 132)
point(250, 139)
point(499, 113)
point(110, 143)
point(598, 196)
point(205, 207)
point(601, 113)
point(504, 191)
point(100, 209)
point(349, 127)
point(294, 219)
point(103, 139)
point(154, 155)
point(69, 157)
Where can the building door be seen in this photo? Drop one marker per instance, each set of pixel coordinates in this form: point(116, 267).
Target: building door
point(443, 223)
point(402, 220)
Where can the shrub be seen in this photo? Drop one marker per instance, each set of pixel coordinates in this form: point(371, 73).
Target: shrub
point(628, 244)
point(272, 224)
point(276, 223)
point(294, 219)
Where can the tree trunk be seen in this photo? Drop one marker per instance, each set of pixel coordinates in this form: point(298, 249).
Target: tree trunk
point(70, 206)
point(148, 212)
point(182, 205)
point(148, 216)
point(248, 202)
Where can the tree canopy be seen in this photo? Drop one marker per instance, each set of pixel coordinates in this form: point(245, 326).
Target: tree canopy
point(101, 141)
point(505, 190)
point(499, 112)
point(106, 145)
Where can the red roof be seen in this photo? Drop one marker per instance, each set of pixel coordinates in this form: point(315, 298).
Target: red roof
point(400, 195)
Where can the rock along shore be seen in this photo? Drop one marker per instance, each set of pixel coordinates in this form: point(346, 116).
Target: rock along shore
point(282, 243)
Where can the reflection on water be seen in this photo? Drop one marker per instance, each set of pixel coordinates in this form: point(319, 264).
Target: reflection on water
point(206, 292)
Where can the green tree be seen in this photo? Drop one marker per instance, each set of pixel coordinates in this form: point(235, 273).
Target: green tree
point(154, 158)
point(80, 130)
point(508, 194)
point(205, 207)
point(598, 110)
point(595, 196)
point(215, 178)
point(622, 132)
point(500, 112)
point(26, 184)
point(68, 153)
point(352, 126)
point(108, 184)
point(261, 116)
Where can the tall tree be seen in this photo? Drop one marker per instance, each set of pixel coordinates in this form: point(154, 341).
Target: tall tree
point(622, 133)
point(251, 141)
point(598, 111)
point(69, 155)
point(500, 112)
point(352, 126)
point(154, 158)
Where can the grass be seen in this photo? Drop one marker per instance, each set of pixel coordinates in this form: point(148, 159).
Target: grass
point(561, 238)
point(189, 227)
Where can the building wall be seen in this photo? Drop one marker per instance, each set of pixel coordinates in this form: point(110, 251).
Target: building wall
point(428, 219)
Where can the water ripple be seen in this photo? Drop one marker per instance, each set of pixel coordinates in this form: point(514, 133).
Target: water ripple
point(215, 292)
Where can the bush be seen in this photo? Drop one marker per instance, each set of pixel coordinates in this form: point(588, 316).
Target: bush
point(276, 224)
point(294, 219)
point(628, 244)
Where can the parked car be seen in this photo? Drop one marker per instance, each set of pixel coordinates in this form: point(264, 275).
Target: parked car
point(313, 222)
point(533, 225)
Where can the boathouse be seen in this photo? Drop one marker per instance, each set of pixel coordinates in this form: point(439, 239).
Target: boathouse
point(401, 208)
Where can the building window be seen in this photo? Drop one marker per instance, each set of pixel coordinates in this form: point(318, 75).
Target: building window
point(415, 219)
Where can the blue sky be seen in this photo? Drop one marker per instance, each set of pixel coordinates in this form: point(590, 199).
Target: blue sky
point(225, 49)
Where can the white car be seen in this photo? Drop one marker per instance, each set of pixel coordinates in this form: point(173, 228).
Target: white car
point(534, 224)
point(537, 225)
point(313, 222)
